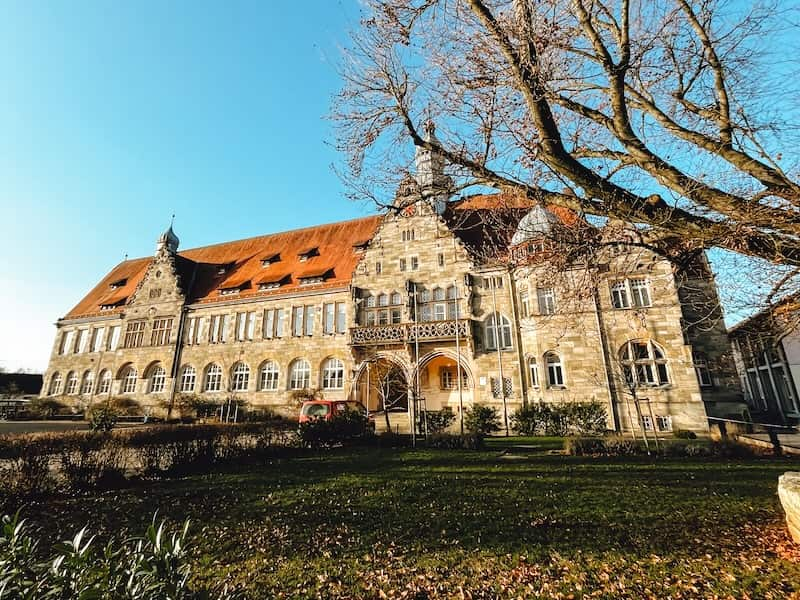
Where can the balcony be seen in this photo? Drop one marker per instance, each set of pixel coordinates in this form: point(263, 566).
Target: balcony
point(408, 333)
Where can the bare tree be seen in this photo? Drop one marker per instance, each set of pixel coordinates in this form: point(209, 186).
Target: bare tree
point(664, 114)
point(390, 386)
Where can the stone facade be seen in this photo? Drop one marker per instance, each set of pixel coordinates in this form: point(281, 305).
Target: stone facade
point(406, 291)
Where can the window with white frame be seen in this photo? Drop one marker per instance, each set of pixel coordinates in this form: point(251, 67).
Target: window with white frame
point(644, 364)
point(80, 344)
point(498, 332)
point(157, 379)
point(162, 328)
point(333, 374)
point(533, 372)
point(341, 317)
point(380, 310)
point(447, 378)
point(55, 384)
point(701, 368)
point(104, 385)
point(547, 300)
point(524, 302)
point(67, 342)
point(245, 326)
point(268, 376)
point(664, 422)
point(128, 380)
point(240, 377)
point(300, 375)
point(414, 263)
point(98, 333)
point(188, 378)
point(213, 378)
point(647, 423)
point(72, 383)
point(87, 383)
point(113, 337)
point(555, 370)
point(630, 293)
point(218, 330)
point(273, 324)
point(297, 321)
point(134, 334)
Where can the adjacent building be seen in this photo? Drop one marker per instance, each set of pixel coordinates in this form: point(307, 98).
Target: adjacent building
point(438, 302)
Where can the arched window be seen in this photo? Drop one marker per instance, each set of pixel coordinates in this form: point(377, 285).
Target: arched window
point(383, 300)
point(555, 370)
point(425, 296)
point(72, 383)
point(129, 377)
point(105, 382)
point(643, 364)
point(396, 299)
point(213, 379)
point(268, 376)
point(87, 383)
point(533, 371)
point(438, 294)
point(241, 377)
point(300, 375)
point(498, 328)
point(188, 378)
point(370, 301)
point(55, 384)
point(157, 379)
point(333, 374)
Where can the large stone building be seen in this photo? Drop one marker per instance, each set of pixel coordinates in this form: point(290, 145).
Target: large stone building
point(436, 303)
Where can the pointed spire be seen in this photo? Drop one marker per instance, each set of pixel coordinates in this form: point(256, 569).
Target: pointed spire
point(168, 240)
point(430, 170)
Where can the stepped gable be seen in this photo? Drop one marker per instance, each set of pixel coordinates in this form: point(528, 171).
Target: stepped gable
point(240, 266)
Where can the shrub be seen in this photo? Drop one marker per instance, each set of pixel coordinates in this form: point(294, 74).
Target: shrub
point(90, 459)
point(25, 463)
point(577, 418)
point(684, 434)
point(103, 418)
point(450, 441)
point(440, 420)
point(585, 446)
point(44, 408)
point(152, 567)
point(531, 419)
point(482, 419)
point(620, 446)
point(585, 418)
point(342, 428)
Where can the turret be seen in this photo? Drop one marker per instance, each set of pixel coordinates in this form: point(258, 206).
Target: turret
point(167, 241)
point(434, 184)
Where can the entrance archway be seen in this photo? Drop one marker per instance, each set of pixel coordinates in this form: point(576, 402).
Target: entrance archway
point(382, 385)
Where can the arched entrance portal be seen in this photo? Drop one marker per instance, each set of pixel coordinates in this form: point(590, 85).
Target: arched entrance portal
point(383, 386)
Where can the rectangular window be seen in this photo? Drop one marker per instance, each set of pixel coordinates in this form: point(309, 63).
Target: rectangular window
point(630, 293)
point(547, 300)
point(447, 378)
point(297, 321)
point(664, 423)
point(269, 323)
point(224, 326)
point(441, 260)
point(162, 328)
point(191, 331)
point(402, 264)
point(397, 315)
point(619, 295)
point(329, 314)
point(524, 303)
point(113, 337)
point(383, 317)
point(213, 331)
point(134, 334)
point(341, 317)
point(80, 344)
point(533, 370)
point(414, 263)
point(647, 423)
point(279, 323)
point(67, 339)
point(245, 326)
point(98, 333)
point(640, 292)
point(377, 268)
point(310, 320)
point(439, 311)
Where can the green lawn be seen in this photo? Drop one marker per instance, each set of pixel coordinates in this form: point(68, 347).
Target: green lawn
point(363, 523)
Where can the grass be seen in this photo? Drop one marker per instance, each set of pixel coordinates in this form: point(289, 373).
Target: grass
point(428, 524)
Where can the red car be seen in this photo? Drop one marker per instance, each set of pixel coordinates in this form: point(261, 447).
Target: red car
point(326, 409)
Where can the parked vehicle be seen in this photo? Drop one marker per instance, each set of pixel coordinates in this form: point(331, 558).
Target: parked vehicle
point(326, 409)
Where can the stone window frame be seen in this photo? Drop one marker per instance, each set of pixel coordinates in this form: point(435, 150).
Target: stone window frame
point(556, 372)
point(533, 372)
point(56, 381)
point(156, 379)
point(104, 382)
point(644, 370)
point(162, 330)
point(188, 379)
point(274, 376)
point(212, 378)
point(332, 374)
point(129, 377)
point(299, 374)
point(87, 383)
point(240, 377)
point(546, 300)
point(491, 329)
point(631, 292)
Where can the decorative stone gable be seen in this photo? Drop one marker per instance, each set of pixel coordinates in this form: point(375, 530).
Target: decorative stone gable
point(162, 285)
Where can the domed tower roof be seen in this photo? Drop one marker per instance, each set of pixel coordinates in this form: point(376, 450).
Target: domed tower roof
point(168, 240)
point(537, 223)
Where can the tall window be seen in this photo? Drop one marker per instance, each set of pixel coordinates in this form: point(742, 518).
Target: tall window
point(452, 303)
point(241, 377)
point(157, 379)
point(341, 316)
point(213, 379)
point(273, 323)
point(333, 374)
point(555, 370)
point(380, 310)
point(533, 372)
point(702, 370)
point(192, 330)
point(768, 377)
point(268, 376)
point(402, 264)
point(547, 300)
point(498, 330)
point(104, 386)
point(97, 338)
point(134, 334)
point(245, 326)
point(87, 383)
point(218, 332)
point(328, 317)
point(72, 383)
point(414, 263)
point(524, 302)
point(300, 375)
point(67, 342)
point(297, 321)
point(162, 328)
point(80, 343)
point(188, 378)
point(643, 363)
point(310, 320)
point(55, 384)
point(113, 337)
point(447, 378)
point(629, 293)
point(129, 377)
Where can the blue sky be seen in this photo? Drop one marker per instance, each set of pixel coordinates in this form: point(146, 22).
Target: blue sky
point(116, 115)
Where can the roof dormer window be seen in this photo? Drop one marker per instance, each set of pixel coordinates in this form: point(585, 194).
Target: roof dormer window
point(231, 288)
point(270, 258)
point(115, 285)
point(308, 253)
point(361, 246)
point(315, 276)
point(222, 269)
point(272, 282)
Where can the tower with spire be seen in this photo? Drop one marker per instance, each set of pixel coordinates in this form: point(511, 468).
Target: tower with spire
point(433, 183)
point(167, 241)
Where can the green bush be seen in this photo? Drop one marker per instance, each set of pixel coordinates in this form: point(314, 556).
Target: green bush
point(343, 428)
point(44, 408)
point(482, 419)
point(583, 446)
point(451, 441)
point(567, 418)
point(152, 567)
point(440, 420)
point(531, 419)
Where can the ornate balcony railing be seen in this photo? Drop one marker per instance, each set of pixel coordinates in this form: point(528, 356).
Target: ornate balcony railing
point(409, 332)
